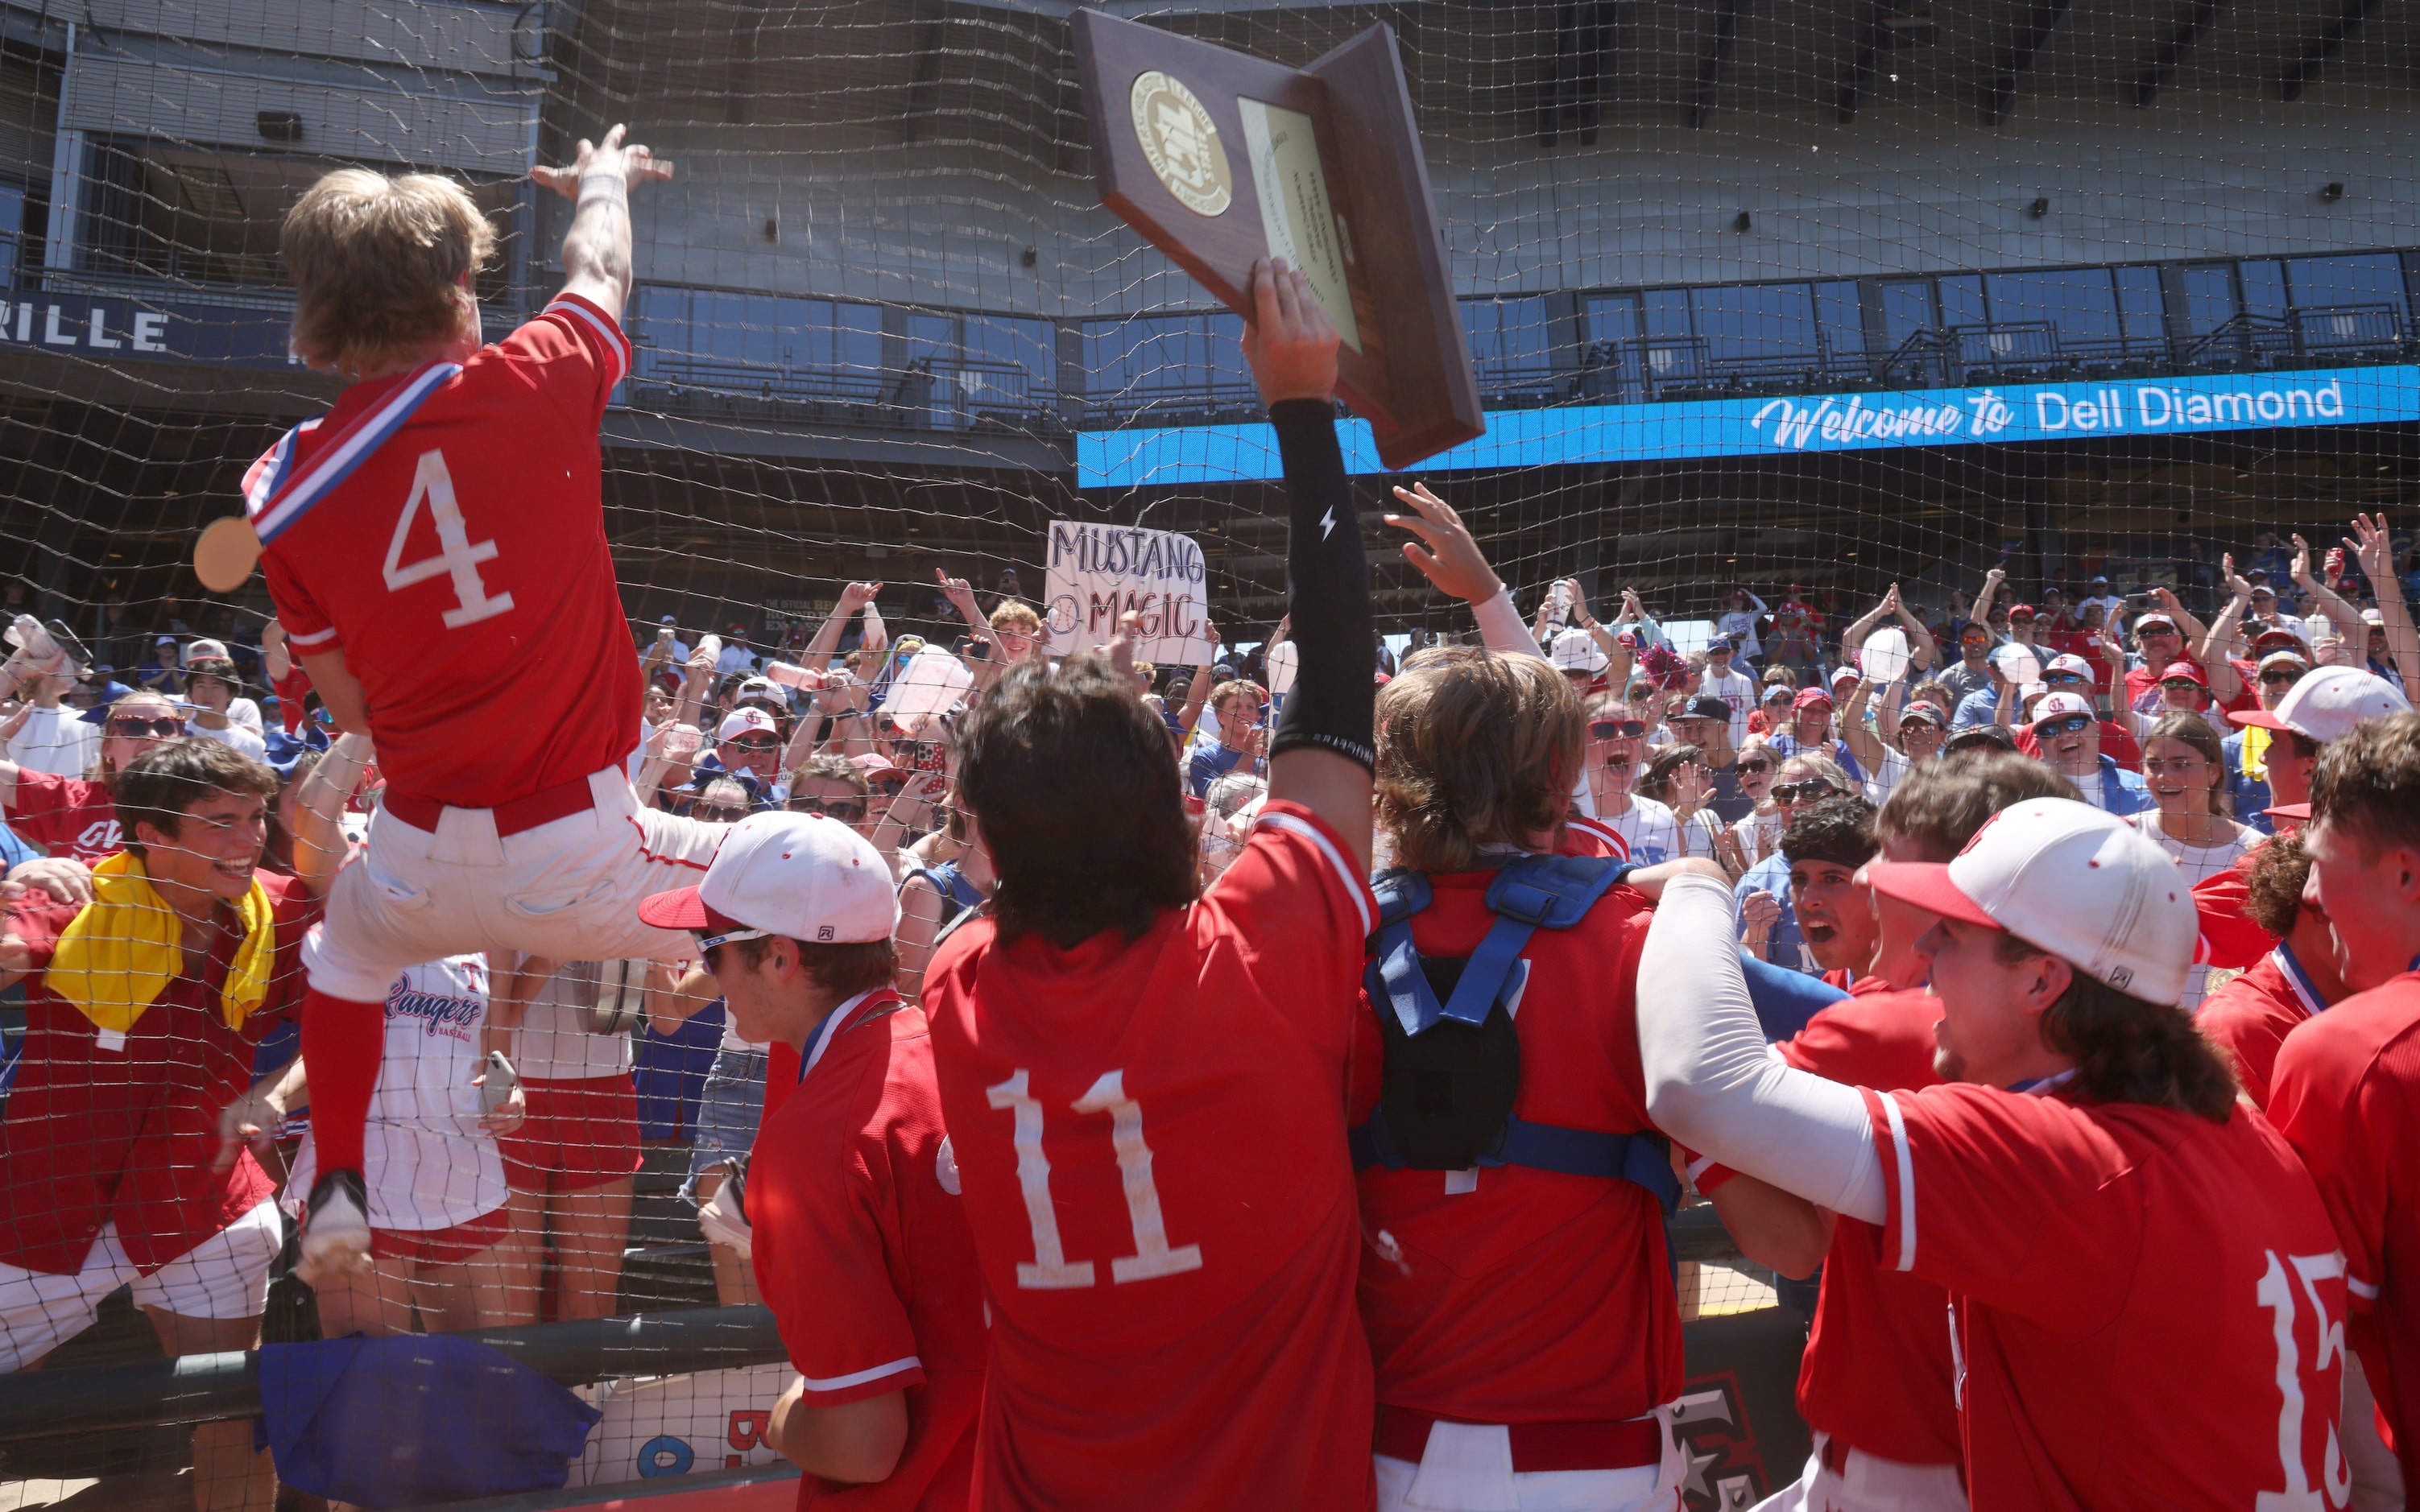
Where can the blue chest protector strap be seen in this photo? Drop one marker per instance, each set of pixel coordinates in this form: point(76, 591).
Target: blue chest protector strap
point(1531, 892)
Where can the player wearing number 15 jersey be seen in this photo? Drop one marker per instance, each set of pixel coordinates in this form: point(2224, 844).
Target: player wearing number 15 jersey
point(435, 542)
point(2146, 1303)
point(1145, 1087)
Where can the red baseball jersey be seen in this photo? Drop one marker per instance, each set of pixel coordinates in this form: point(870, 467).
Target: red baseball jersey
point(66, 816)
point(1152, 1138)
point(2345, 1092)
point(1878, 1374)
point(1583, 836)
point(1509, 1294)
point(455, 553)
point(861, 1249)
point(94, 1132)
point(2231, 937)
point(2149, 1305)
point(2250, 1016)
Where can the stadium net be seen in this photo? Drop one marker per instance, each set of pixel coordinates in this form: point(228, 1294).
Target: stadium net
point(1796, 300)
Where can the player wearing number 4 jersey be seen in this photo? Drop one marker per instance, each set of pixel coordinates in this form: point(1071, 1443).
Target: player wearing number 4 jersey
point(2147, 1304)
point(1144, 1087)
point(437, 538)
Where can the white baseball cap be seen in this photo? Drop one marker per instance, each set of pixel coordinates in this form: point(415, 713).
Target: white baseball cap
point(2327, 701)
point(760, 687)
point(2058, 705)
point(207, 651)
point(2070, 662)
point(740, 721)
point(2061, 875)
point(807, 876)
point(1575, 650)
point(1843, 674)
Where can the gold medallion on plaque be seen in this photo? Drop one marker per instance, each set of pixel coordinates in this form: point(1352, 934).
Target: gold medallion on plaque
point(1180, 144)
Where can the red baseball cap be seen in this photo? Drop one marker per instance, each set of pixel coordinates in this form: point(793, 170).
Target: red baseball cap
point(2185, 670)
point(1808, 697)
point(2018, 610)
point(2290, 810)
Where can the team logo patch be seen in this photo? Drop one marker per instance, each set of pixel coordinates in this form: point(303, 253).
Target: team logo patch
point(1180, 144)
point(1721, 1469)
point(824, 933)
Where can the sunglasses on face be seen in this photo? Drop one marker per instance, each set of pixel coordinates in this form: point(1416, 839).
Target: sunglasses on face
point(719, 815)
point(2074, 724)
point(2181, 685)
point(848, 812)
point(757, 742)
point(2280, 674)
point(1616, 729)
point(136, 726)
point(1752, 767)
point(1800, 792)
point(2064, 680)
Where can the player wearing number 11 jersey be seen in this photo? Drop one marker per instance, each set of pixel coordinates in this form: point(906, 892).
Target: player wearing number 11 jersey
point(1145, 1088)
point(435, 543)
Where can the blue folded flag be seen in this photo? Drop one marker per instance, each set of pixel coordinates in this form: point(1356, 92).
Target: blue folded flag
point(413, 1418)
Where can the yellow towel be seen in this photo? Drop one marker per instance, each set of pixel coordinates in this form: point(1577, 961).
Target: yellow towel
point(127, 945)
point(2256, 753)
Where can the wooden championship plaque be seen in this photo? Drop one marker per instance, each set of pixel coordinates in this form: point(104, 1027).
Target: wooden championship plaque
point(1220, 158)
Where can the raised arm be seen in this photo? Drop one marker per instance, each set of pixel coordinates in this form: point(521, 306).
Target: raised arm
point(2218, 643)
point(1617, 656)
point(1323, 753)
point(2374, 547)
point(852, 598)
point(1919, 640)
point(1197, 691)
point(1448, 557)
point(1862, 743)
point(319, 845)
point(596, 249)
point(1982, 613)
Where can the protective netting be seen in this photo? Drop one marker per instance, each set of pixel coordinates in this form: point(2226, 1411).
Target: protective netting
point(1805, 300)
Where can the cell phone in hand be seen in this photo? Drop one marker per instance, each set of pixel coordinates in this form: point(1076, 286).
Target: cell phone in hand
point(497, 1089)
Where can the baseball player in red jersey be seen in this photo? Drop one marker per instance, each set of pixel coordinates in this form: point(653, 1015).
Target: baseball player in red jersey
point(1877, 1382)
point(859, 1235)
point(437, 536)
point(2293, 982)
point(2347, 1087)
point(1145, 1086)
point(1487, 1398)
point(2118, 1234)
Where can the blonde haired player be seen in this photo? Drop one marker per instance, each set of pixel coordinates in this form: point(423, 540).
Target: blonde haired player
point(437, 536)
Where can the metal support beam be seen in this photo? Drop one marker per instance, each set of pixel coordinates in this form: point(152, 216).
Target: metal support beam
point(1709, 65)
point(2328, 40)
point(1573, 80)
point(2000, 89)
point(1872, 39)
point(2163, 64)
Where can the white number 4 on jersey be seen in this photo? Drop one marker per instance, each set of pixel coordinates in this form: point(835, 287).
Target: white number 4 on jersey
point(459, 556)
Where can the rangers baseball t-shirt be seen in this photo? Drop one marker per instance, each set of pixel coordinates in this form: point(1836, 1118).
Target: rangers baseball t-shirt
point(1509, 1294)
point(2346, 1093)
point(464, 562)
point(95, 1130)
point(1153, 1142)
point(67, 816)
point(863, 1251)
point(2145, 1303)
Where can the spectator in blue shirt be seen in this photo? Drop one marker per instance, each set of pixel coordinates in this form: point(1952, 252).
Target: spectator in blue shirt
point(2069, 734)
point(1236, 712)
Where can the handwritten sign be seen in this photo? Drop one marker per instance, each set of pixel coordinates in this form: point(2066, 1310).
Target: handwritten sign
point(1099, 572)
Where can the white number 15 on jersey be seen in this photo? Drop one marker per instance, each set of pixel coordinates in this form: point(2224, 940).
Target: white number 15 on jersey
point(1050, 1269)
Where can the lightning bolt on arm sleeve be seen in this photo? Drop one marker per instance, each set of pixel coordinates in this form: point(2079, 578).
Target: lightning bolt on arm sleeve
point(1327, 591)
point(1712, 1084)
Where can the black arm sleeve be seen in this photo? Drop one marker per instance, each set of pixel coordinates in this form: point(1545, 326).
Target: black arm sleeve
point(1327, 591)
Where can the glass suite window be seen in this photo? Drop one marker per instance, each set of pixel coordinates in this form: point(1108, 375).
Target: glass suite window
point(1755, 320)
point(2264, 287)
point(1509, 336)
point(2208, 290)
point(2142, 310)
point(1907, 308)
point(1165, 355)
point(1961, 301)
point(1841, 316)
point(2081, 303)
point(2318, 283)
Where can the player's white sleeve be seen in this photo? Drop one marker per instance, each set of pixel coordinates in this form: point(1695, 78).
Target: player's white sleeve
point(1501, 627)
point(1710, 1083)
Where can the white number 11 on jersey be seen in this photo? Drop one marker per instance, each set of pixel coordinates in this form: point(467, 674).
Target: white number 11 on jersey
point(457, 555)
point(1050, 1269)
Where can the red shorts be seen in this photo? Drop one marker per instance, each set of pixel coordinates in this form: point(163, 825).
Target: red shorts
point(575, 1135)
point(443, 1246)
